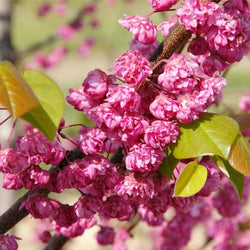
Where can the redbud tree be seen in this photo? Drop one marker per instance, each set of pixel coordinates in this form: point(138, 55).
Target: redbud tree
point(154, 148)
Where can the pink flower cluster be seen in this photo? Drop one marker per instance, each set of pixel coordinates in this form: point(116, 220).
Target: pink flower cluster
point(222, 31)
point(21, 165)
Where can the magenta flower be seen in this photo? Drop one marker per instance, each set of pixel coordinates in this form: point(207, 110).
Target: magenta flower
point(8, 242)
point(66, 32)
point(96, 84)
point(244, 103)
point(143, 29)
point(124, 97)
point(144, 158)
point(132, 66)
point(91, 140)
point(105, 236)
point(145, 49)
point(162, 5)
point(163, 107)
point(39, 206)
point(160, 134)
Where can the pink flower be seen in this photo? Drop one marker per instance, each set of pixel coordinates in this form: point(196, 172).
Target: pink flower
point(212, 88)
point(198, 46)
point(96, 84)
point(135, 186)
point(12, 181)
point(76, 228)
point(80, 101)
point(131, 128)
point(214, 63)
point(145, 49)
point(86, 46)
point(179, 76)
point(125, 98)
point(162, 5)
point(105, 236)
point(144, 158)
point(87, 206)
point(161, 133)
point(71, 176)
point(244, 103)
point(116, 207)
point(191, 106)
point(39, 149)
point(163, 107)
point(91, 140)
point(93, 165)
point(39, 206)
point(53, 58)
point(106, 117)
point(226, 201)
point(12, 162)
point(44, 9)
point(142, 28)
point(166, 26)
point(8, 242)
point(65, 216)
point(194, 14)
point(60, 9)
point(34, 177)
point(66, 32)
point(132, 66)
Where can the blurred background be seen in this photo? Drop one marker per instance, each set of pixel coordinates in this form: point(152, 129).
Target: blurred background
point(34, 35)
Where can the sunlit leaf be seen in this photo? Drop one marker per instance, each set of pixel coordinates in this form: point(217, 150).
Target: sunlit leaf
point(239, 157)
point(236, 178)
point(191, 180)
point(210, 135)
point(16, 95)
point(46, 117)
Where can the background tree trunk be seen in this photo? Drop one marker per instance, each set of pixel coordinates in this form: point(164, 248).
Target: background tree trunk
point(7, 53)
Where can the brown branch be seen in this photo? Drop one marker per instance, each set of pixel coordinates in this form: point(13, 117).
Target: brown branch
point(57, 242)
point(176, 37)
point(12, 216)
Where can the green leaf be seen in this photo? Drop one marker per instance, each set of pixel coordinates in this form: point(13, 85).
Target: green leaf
point(191, 180)
point(46, 117)
point(236, 178)
point(16, 95)
point(211, 134)
point(239, 157)
point(168, 165)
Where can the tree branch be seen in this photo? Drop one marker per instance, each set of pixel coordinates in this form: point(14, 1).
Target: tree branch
point(177, 35)
point(57, 242)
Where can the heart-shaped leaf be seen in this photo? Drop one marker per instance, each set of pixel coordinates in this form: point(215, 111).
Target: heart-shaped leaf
point(211, 134)
point(16, 94)
point(239, 157)
point(191, 180)
point(46, 117)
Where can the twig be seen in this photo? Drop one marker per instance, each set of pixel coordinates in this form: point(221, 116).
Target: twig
point(57, 242)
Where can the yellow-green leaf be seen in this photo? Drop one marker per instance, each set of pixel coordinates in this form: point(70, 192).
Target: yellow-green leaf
point(239, 157)
point(46, 117)
point(191, 180)
point(16, 94)
point(211, 134)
